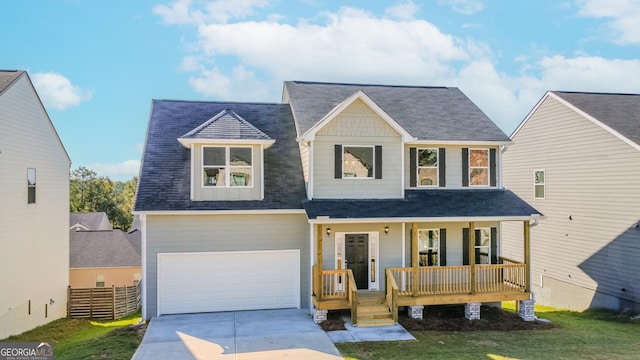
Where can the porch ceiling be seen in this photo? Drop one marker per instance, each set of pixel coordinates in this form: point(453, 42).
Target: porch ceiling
point(470, 204)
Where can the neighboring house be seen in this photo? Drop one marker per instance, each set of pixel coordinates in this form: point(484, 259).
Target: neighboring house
point(89, 221)
point(340, 192)
point(576, 158)
point(34, 210)
point(103, 258)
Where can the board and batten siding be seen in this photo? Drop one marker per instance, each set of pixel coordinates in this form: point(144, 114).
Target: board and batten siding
point(34, 261)
point(222, 193)
point(588, 242)
point(211, 233)
point(357, 125)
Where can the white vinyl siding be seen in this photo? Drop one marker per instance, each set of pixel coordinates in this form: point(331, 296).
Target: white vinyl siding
point(220, 233)
point(35, 237)
point(592, 176)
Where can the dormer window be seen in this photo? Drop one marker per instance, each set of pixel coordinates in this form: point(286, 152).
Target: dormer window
point(227, 166)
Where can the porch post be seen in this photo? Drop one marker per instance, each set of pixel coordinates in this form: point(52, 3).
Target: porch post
point(527, 256)
point(472, 255)
point(319, 261)
point(414, 257)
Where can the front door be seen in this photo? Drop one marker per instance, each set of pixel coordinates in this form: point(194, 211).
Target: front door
point(357, 256)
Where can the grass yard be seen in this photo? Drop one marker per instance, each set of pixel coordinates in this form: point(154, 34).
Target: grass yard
point(88, 339)
point(576, 335)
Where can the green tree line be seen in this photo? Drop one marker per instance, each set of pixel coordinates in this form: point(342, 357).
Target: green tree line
point(92, 193)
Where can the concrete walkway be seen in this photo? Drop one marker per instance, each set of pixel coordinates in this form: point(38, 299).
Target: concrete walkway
point(377, 333)
point(262, 334)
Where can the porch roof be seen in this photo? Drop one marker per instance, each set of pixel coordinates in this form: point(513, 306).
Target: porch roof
point(476, 204)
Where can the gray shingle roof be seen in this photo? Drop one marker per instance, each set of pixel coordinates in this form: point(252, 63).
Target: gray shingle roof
point(90, 220)
point(226, 125)
point(442, 203)
point(427, 113)
point(7, 77)
point(165, 171)
point(621, 112)
point(114, 248)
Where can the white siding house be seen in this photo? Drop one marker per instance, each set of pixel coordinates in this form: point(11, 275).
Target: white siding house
point(34, 210)
point(576, 158)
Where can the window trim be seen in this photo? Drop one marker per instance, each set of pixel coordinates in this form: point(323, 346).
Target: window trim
point(488, 167)
point(476, 247)
point(30, 186)
point(436, 167)
point(543, 184)
point(373, 170)
point(439, 243)
point(227, 167)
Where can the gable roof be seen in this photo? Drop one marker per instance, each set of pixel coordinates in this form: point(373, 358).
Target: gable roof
point(7, 77)
point(112, 248)
point(90, 221)
point(427, 113)
point(493, 204)
point(226, 125)
point(165, 174)
point(618, 112)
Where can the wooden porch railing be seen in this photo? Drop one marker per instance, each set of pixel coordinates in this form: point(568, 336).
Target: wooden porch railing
point(443, 280)
point(392, 295)
point(353, 296)
point(335, 285)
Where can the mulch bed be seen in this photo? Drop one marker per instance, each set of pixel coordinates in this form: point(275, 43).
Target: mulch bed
point(451, 318)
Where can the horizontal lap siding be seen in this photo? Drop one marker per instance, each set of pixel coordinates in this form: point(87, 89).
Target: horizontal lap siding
point(592, 176)
point(210, 233)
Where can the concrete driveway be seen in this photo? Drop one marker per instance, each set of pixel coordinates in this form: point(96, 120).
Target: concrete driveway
point(261, 334)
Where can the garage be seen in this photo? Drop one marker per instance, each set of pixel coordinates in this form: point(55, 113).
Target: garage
point(228, 281)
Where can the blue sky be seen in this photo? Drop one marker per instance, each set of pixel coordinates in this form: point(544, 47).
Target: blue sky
point(98, 64)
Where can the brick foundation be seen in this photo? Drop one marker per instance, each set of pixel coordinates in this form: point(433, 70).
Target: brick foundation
point(472, 311)
point(526, 310)
point(319, 315)
point(415, 311)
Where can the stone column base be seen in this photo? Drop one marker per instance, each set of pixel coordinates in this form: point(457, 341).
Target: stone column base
point(319, 315)
point(526, 310)
point(415, 311)
point(472, 311)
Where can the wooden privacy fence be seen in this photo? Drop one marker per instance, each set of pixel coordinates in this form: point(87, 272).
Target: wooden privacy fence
point(103, 303)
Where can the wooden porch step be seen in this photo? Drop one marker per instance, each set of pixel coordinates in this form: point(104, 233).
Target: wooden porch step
point(373, 309)
point(375, 322)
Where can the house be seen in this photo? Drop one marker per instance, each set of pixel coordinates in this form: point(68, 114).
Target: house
point(89, 221)
point(100, 258)
point(576, 158)
point(34, 210)
point(342, 196)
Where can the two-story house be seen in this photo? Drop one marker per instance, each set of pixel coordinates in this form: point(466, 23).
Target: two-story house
point(340, 193)
point(34, 210)
point(576, 158)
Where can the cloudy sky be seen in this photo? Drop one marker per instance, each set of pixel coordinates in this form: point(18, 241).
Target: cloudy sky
point(98, 65)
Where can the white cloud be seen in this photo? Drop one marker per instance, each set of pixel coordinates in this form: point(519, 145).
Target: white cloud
point(57, 92)
point(405, 10)
point(624, 17)
point(117, 172)
point(466, 7)
point(220, 11)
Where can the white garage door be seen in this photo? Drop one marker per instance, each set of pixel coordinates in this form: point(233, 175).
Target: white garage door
point(227, 281)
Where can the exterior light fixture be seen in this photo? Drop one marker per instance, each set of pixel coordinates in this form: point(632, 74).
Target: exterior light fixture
point(328, 231)
point(386, 230)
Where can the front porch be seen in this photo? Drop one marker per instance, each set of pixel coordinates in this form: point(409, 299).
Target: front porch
point(423, 285)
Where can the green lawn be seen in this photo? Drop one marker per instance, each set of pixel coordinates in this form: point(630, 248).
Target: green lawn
point(87, 339)
point(587, 335)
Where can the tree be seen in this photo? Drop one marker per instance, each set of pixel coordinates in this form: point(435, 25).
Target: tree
point(89, 193)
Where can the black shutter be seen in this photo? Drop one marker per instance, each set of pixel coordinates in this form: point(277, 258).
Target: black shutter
point(494, 245)
point(465, 246)
point(338, 161)
point(378, 162)
point(442, 163)
point(492, 167)
point(443, 247)
point(413, 170)
point(465, 167)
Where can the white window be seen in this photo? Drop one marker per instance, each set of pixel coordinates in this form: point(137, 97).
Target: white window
point(483, 246)
point(478, 167)
point(31, 186)
point(429, 247)
point(427, 167)
point(100, 280)
point(358, 162)
point(226, 166)
point(538, 184)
